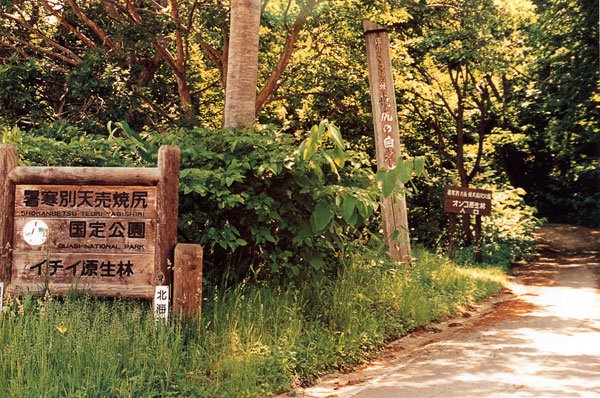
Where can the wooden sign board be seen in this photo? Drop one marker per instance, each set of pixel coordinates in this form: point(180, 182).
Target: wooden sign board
point(109, 232)
point(470, 201)
point(84, 236)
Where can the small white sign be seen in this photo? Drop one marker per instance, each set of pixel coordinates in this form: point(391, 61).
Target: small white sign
point(161, 303)
point(35, 232)
point(1, 295)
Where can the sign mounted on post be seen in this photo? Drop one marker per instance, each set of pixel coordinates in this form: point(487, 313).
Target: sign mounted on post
point(470, 201)
point(387, 140)
point(109, 231)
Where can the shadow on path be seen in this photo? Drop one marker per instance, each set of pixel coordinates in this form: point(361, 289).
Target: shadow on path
point(544, 342)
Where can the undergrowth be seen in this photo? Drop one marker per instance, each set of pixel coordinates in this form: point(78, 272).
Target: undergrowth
point(251, 341)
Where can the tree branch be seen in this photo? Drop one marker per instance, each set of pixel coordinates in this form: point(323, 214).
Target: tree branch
point(272, 82)
point(41, 50)
point(21, 21)
point(16, 48)
point(68, 26)
point(95, 28)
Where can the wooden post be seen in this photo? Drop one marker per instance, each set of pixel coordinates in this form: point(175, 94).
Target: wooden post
point(9, 159)
point(187, 280)
point(125, 176)
point(478, 240)
point(167, 203)
point(387, 141)
point(452, 236)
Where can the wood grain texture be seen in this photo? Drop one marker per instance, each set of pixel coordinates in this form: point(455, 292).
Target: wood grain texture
point(85, 175)
point(9, 159)
point(102, 235)
point(387, 140)
point(79, 201)
point(118, 274)
point(167, 211)
point(187, 280)
point(98, 290)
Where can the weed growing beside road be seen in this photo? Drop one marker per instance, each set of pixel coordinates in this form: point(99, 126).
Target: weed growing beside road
point(252, 341)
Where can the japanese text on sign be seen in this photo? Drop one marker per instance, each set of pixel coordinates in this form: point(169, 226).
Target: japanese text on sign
point(84, 234)
point(460, 200)
point(89, 267)
point(385, 103)
point(127, 200)
point(161, 303)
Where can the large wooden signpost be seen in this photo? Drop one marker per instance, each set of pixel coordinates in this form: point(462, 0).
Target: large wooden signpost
point(387, 141)
point(109, 231)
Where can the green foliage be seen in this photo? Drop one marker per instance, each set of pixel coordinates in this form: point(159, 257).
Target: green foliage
point(508, 232)
point(251, 341)
point(257, 200)
point(556, 160)
point(65, 145)
point(19, 89)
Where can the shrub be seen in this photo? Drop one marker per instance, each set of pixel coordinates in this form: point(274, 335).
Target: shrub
point(508, 232)
point(263, 205)
point(260, 203)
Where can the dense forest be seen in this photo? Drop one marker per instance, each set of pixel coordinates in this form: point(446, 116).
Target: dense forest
point(269, 103)
point(499, 94)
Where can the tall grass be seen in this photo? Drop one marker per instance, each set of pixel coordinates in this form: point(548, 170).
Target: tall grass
point(252, 341)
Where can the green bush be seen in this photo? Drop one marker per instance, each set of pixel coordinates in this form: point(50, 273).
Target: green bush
point(264, 205)
point(508, 232)
point(260, 202)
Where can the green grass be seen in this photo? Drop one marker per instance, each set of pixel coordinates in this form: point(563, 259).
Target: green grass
point(252, 341)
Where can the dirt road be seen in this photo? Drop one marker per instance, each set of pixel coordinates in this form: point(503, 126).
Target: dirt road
point(541, 339)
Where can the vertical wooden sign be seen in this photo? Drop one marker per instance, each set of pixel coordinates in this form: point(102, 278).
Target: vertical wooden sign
point(387, 141)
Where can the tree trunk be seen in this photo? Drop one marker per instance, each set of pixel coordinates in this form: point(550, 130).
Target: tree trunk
point(242, 64)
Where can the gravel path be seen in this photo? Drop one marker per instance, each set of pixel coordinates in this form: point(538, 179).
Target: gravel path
point(540, 340)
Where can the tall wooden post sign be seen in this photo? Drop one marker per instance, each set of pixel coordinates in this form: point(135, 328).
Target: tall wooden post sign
point(111, 231)
point(387, 141)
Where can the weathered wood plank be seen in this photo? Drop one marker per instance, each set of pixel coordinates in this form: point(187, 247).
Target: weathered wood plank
point(167, 202)
point(85, 175)
point(97, 235)
point(387, 139)
point(187, 280)
point(77, 201)
point(99, 290)
point(9, 159)
point(114, 272)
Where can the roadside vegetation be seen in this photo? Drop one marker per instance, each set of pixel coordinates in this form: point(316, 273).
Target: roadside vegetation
point(494, 94)
point(253, 340)
point(297, 281)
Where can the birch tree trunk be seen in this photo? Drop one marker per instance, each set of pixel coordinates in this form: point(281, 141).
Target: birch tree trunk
point(242, 64)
